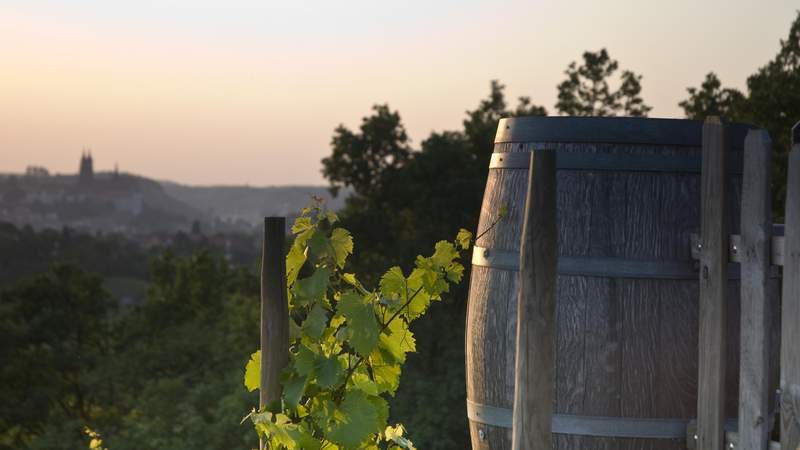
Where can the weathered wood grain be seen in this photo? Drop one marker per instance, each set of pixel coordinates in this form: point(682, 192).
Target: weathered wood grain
point(535, 345)
point(713, 284)
point(274, 311)
point(754, 254)
point(490, 338)
point(790, 343)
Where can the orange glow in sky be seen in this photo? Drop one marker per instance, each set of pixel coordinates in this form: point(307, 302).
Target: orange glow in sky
point(234, 92)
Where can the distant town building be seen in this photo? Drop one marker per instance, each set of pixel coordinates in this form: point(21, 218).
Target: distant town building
point(36, 171)
point(86, 173)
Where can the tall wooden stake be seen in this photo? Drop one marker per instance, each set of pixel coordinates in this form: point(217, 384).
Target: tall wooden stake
point(713, 280)
point(790, 315)
point(534, 379)
point(274, 311)
point(756, 239)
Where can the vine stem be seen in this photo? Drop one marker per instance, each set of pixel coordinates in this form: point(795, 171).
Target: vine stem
point(499, 218)
point(360, 359)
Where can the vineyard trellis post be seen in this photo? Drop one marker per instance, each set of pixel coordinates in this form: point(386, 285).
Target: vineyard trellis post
point(274, 312)
point(536, 341)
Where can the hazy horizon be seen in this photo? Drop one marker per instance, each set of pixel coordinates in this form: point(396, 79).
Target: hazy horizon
point(246, 92)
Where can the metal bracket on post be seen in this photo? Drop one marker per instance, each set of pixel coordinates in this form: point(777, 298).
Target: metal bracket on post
point(731, 435)
point(734, 244)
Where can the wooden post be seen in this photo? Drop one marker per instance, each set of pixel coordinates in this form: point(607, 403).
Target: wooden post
point(713, 280)
point(790, 320)
point(534, 378)
point(754, 253)
point(274, 311)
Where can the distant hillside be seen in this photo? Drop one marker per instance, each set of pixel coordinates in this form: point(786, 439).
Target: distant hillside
point(116, 202)
point(238, 204)
point(132, 204)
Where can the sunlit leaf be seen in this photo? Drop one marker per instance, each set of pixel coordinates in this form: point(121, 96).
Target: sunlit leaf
point(252, 372)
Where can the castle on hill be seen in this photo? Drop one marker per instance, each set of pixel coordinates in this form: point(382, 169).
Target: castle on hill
point(86, 174)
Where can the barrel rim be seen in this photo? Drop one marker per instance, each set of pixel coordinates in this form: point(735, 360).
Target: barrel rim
point(613, 130)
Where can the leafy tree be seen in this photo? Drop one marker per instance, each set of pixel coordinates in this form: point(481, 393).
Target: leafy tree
point(161, 374)
point(586, 91)
point(361, 160)
point(178, 357)
point(25, 252)
point(712, 100)
point(480, 125)
point(54, 339)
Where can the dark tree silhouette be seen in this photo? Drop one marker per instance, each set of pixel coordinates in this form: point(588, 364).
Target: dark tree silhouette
point(587, 92)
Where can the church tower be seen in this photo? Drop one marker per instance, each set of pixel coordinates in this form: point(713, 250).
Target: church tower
point(86, 173)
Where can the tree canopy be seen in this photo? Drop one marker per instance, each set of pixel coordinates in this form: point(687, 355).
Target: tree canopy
point(587, 92)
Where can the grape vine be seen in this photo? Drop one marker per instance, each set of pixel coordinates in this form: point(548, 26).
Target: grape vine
point(347, 342)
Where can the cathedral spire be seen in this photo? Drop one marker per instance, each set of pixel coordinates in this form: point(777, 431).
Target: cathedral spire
point(86, 172)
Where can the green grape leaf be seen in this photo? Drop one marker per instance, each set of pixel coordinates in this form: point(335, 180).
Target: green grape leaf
point(362, 325)
point(304, 361)
point(382, 408)
point(337, 320)
point(330, 345)
point(418, 290)
point(354, 421)
point(455, 272)
point(328, 371)
point(293, 389)
point(397, 340)
point(342, 244)
point(318, 244)
point(316, 322)
point(301, 224)
point(313, 288)
point(362, 382)
point(387, 374)
point(322, 409)
point(304, 439)
point(282, 433)
point(295, 330)
point(395, 435)
point(252, 372)
point(332, 217)
point(297, 255)
point(444, 254)
point(393, 283)
point(350, 278)
point(294, 262)
point(464, 239)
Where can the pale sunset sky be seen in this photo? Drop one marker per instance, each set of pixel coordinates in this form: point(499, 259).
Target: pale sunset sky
point(241, 91)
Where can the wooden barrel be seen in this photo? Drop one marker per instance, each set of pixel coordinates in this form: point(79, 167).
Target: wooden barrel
point(627, 292)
